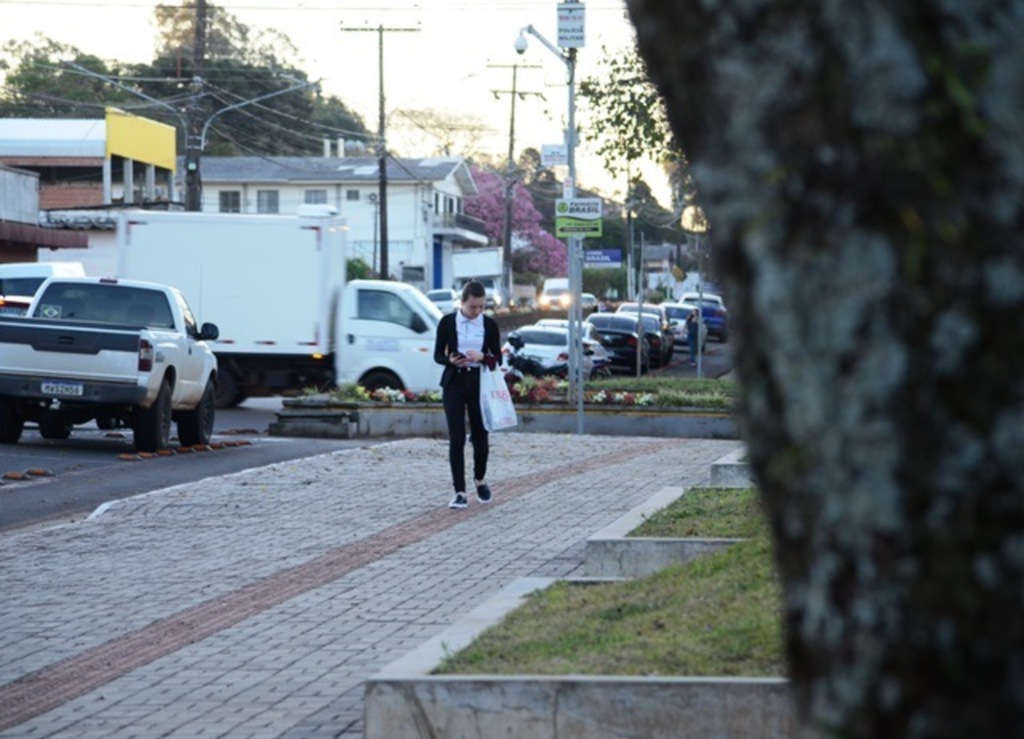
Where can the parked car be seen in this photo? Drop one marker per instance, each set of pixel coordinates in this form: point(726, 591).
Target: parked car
point(19, 282)
point(693, 296)
point(667, 329)
point(591, 337)
point(588, 302)
point(622, 340)
point(662, 342)
point(678, 313)
point(713, 311)
point(548, 345)
point(448, 301)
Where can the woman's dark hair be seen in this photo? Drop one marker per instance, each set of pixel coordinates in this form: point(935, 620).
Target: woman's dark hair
point(473, 289)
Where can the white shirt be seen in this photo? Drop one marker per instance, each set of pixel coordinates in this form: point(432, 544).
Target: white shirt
point(471, 334)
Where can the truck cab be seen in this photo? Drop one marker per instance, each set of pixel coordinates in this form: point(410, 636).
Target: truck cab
point(386, 336)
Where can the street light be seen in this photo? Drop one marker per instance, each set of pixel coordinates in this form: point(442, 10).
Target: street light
point(568, 58)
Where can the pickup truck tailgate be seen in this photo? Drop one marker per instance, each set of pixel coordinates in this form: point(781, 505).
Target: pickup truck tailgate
point(65, 349)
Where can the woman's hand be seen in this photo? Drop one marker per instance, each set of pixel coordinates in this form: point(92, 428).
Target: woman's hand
point(474, 355)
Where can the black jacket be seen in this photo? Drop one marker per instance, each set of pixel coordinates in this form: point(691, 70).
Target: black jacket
point(448, 342)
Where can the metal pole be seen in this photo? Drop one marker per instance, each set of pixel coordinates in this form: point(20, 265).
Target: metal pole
point(575, 261)
point(382, 161)
point(510, 184)
point(700, 308)
point(575, 256)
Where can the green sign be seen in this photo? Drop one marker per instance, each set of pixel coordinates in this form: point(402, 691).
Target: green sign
point(578, 217)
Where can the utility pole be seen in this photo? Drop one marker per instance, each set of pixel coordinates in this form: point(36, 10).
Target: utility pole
point(510, 179)
point(194, 114)
point(382, 152)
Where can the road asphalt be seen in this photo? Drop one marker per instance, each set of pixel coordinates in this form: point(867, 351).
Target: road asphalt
point(255, 604)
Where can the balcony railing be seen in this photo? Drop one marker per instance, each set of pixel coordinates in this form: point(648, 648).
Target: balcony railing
point(459, 222)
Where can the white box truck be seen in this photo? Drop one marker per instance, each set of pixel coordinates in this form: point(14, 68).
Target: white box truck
point(485, 265)
point(275, 285)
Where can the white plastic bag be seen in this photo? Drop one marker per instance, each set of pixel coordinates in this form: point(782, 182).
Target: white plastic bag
point(495, 401)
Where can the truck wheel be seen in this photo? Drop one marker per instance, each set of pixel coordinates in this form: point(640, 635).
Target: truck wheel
point(11, 422)
point(152, 426)
point(196, 426)
point(54, 426)
point(226, 393)
point(379, 379)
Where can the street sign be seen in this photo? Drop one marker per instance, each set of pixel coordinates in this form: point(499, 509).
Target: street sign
point(571, 34)
point(602, 259)
point(554, 155)
point(578, 217)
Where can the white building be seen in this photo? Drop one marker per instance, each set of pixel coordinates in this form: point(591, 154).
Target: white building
point(425, 200)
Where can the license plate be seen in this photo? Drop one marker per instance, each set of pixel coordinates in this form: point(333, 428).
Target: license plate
point(63, 388)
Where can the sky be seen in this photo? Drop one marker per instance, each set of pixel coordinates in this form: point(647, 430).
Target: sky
point(458, 54)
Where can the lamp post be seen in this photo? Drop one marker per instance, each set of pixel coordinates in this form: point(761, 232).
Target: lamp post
point(575, 258)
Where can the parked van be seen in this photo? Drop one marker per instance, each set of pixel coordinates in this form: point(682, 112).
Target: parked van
point(20, 280)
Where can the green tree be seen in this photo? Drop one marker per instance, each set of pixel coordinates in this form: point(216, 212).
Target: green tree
point(861, 166)
point(240, 65)
point(37, 86)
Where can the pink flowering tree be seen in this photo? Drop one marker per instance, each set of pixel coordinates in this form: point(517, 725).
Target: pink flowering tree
point(541, 253)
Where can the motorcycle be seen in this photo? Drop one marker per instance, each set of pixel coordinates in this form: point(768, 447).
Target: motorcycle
point(522, 365)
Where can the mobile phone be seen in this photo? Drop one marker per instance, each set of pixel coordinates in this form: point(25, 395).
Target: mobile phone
point(458, 355)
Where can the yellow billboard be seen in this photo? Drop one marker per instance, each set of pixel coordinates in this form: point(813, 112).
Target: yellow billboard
point(140, 139)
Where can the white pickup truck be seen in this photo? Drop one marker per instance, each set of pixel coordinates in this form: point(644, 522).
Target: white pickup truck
point(117, 351)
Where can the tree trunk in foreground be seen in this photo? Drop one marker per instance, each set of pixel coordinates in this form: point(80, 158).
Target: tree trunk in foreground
point(862, 166)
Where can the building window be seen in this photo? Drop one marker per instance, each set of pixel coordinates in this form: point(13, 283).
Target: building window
point(352, 195)
point(267, 201)
point(230, 201)
point(316, 197)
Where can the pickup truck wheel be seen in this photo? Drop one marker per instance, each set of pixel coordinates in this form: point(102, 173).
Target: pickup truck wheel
point(54, 426)
point(152, 426)
point(196, 426)
point(11, 422)
point(380, 379)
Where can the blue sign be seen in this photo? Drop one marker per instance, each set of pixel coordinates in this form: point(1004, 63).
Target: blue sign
point(602, 258)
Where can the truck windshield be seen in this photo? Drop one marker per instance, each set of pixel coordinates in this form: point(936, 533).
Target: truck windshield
point(107, 303)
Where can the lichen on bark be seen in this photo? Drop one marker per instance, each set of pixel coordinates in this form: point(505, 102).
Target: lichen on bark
point(862, 167)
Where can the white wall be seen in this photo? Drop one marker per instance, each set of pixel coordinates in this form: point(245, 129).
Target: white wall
point(20, 196)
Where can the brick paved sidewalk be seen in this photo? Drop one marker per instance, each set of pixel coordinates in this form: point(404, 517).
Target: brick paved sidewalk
point(255, 604)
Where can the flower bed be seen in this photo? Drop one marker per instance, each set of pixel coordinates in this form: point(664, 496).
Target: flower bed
point(532, 390)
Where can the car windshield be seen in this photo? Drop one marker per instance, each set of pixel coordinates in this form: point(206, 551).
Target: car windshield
point(606, 321)
point(647, 309)
point(543, 338)
point(20, 285)
point(651, 323)
point(678, 312)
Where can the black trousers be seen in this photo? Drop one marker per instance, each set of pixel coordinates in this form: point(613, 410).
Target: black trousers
point(461, 397)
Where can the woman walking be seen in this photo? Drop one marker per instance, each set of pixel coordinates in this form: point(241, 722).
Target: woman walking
point(466, 340)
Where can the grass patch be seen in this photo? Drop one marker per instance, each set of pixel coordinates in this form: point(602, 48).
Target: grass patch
point(707, 513)
point(716, 615)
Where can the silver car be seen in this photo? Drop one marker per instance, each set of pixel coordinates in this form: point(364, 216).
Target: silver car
point(447, 301)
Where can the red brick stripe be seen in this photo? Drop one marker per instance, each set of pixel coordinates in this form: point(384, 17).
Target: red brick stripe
point(45, 689)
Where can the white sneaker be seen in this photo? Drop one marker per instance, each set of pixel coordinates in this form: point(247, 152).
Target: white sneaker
point(459, 501)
